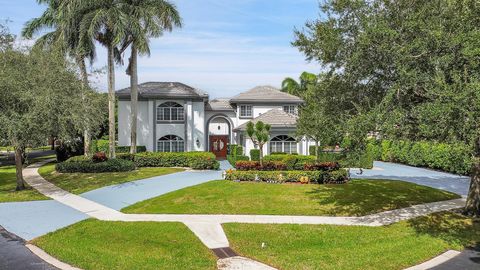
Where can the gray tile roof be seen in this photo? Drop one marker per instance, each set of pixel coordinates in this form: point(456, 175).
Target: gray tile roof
point(163, 90)
point(265, 94)
point(277, 118)
point(219, 104)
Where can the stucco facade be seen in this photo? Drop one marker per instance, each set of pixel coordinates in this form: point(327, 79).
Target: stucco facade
point(176, 117)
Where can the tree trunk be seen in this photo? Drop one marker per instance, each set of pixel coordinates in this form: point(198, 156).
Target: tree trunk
point(261, 154)
point(111, 103)
point(134, 100)
point(84, 75)
point(472, 208)
point(19, 168)
point(316, 151)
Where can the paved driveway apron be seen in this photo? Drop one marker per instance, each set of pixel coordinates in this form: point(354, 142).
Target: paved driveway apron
point(445, 181)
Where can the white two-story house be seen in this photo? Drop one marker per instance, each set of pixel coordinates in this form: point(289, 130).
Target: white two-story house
point(174, 117)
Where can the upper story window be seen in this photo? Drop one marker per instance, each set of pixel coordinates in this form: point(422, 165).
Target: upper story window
point(292, 109)
point(246, 111)
point(171, 143)
point(170, 111)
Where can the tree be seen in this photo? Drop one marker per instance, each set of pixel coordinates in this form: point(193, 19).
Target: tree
point(259, 133)
point(106, 23)
point(148, 19)
point(64, 36)
point(409, 68)
point(318, 119)
point(40, 95)
point(293, 87)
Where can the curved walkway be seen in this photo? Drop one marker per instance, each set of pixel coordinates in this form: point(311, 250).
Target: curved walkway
point(208, 228)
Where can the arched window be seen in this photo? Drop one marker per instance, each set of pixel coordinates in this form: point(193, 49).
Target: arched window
point(283, 143)
point(170, 143)
point(170, 111)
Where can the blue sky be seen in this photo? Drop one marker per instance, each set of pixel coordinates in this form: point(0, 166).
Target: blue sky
point(224, 48)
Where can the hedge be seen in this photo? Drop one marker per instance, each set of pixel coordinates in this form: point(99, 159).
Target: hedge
point(453, 158)
point(347, 159)
point(255, 165)
point(255, 154)
point(320, 177)
point(194, 160)
point(88, 166)
point(103, 146)
point(293, 162)
point(234, 159)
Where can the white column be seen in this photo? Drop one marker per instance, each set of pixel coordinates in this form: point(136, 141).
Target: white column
point(189, 126)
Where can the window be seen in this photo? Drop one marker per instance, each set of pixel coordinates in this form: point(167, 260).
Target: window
point(284, 144)
point(246, 111)
point(170, 111)
point(170, 143)
point(292, 109)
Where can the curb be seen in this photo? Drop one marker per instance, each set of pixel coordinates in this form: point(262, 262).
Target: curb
point(49, 259)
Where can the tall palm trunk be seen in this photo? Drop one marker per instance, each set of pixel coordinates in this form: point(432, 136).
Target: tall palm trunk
point(84, 76)
point(19, 168)
point(134, 99)
point(111, 102)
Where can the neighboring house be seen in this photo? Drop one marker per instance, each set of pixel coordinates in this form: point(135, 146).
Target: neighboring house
point(174, 117)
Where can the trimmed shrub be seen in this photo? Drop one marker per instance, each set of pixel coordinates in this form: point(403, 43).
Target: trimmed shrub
point(339, 176)
point(78, 159)
point(293, 162)
point(194, 160)
point(322, 166)
point(112, 165)
point(233, 159)
point(278, 153)
point(126, 156)
point(103, 146)
point(255, 155)
point(255, 165)
point(454, 158)
point(126, 149)
point(99, 157)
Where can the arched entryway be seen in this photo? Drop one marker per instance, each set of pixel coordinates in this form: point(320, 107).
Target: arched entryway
point(219, 130)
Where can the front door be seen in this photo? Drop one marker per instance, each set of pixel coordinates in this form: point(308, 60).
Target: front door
point(218, 146)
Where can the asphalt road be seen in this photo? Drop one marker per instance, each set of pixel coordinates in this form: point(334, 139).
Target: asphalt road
point(15, 256)
point(9, 158)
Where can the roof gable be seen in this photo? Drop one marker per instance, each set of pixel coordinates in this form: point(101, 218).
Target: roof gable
point(268, 94)
point(276, 118)
point(163, 90)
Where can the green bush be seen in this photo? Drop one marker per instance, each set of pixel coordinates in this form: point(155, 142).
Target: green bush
point(255, 154)
point(233, 159)
point(78, 159)
point(454, 158)
point(103, 146)
point(293, 162)
point(340, 176)
point(126, 149)
point(194, 160)
point(88, 166)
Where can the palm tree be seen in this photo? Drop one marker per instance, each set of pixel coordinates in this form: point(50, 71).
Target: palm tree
point(65, 36)
point(293, 87)
point(105, 22)
point(149, 18)
point(259, 133)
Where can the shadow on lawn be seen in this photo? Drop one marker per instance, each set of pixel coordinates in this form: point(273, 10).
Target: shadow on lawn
point(451, 227)
point(364, 197)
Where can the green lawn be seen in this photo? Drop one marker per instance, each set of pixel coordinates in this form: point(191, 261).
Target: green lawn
point(326, 247)
point(78, 183)
point(101, 245)
point(357, 198)
point(8, 184)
